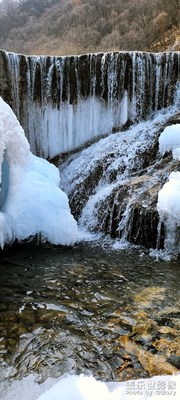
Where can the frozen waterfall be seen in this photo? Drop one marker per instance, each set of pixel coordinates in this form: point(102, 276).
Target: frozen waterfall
point(31, 201)
point(65, 102)
point(123, 98)
point(113, 185)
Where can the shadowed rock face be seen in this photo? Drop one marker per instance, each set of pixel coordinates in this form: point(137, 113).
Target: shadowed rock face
point(64, 102)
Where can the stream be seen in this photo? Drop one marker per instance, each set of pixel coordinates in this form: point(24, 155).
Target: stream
point(87, 309)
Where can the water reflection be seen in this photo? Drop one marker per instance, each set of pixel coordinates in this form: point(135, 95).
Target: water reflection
point(87, 309)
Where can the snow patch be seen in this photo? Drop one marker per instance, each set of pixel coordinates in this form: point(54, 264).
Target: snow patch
point(169, 197)
point(168, 205)
point(170, 139)
point(72, 387)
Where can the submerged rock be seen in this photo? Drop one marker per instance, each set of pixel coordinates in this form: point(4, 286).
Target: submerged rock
point(154, 364)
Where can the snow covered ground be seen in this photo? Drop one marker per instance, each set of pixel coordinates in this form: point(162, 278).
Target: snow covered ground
point(72, 387)
point(31, 201)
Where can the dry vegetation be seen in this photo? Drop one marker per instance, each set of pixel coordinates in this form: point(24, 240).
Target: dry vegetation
point(61, 27)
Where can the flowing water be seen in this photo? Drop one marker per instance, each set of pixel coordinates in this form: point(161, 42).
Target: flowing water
point(81, 98)
point(87, 309)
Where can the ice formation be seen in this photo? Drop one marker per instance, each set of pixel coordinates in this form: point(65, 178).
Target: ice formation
point(77, 388)
point(80, 98)
point(72, 387)
point(170, 140)
point(87, 388)
point(119, 160)
point(169, 196)
point(31, 201)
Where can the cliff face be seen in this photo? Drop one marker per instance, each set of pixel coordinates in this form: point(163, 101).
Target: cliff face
point(65, 102)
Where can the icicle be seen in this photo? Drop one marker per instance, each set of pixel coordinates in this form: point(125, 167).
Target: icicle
point(158, 67)
point(13, 66)
point(68, 101)
point(133, 102)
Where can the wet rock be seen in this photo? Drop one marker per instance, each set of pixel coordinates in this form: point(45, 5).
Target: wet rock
point(11, 344)
point(166, 330)
point(126, 374)
point(28, 299)
point(149, 295)
point(21, 330)
point(174, 360)
point(140, 314)
point(3, 307)
point(27, 317)
point(120, 325)
point(8, 316)
point(166, 346)
point(145, 329)
point(48, 316)
point(152, 364)
point(143, 339)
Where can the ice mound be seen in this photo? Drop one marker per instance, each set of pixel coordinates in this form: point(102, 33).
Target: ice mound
point(88, 388)
point(73, 387)
point(77, 388)
point(168, 204)
point(170, 140)
point(169, 197)
point(31, 201)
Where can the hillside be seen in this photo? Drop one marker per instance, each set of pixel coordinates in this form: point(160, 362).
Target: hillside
point(60, 27)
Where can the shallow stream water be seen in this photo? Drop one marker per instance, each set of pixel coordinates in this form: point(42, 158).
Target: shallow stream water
point(110, 313)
